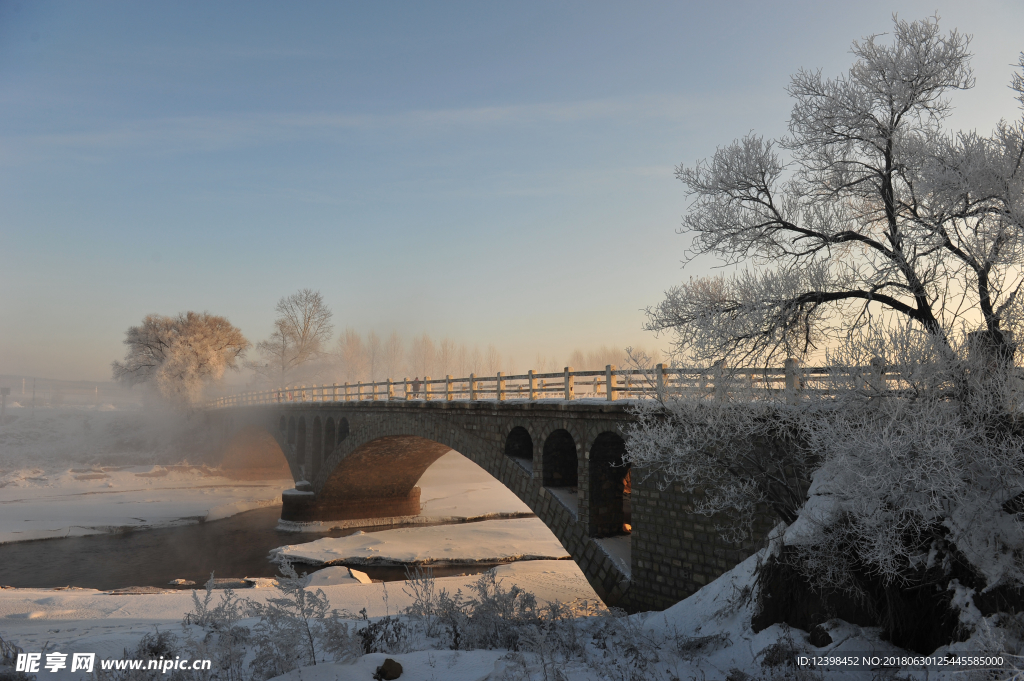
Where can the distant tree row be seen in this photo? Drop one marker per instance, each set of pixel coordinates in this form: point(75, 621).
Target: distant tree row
point(179, 356)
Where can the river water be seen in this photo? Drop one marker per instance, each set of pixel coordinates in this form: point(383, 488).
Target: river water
point(233, 547)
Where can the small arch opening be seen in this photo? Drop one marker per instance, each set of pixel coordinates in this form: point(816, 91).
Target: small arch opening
point(519, 446)
point(291, 430)
point(609, 499)
point(560, 460)
point(342, 429)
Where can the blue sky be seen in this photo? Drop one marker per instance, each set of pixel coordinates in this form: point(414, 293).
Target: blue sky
point(501, 173)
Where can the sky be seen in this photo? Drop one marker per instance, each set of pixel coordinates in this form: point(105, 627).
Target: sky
point(500, 173)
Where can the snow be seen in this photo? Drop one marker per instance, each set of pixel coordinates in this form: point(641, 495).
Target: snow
point(336, 575)
point(489, 541)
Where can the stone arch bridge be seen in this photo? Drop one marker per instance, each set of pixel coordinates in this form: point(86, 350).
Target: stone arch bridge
point(361, 460)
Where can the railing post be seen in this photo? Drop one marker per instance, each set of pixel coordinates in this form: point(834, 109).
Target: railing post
point(570, 386)
point(359, 391)
point(391, 390)
point(499, 387)
point(472, 386)
point(718, 373)
point(533, 385)
point(406, 380)
point(609, 379)
point(346, 391)
point(792, 380)
point(448, 388)
point(334, 392)
point(373, 391)
point(426, 388)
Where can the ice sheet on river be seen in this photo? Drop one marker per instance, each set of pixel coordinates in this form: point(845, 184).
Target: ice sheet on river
point(489, 541)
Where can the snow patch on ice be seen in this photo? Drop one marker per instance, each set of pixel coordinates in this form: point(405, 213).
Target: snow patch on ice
point(490, 541)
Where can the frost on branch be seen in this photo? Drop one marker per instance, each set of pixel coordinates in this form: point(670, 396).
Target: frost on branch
point(180, 355)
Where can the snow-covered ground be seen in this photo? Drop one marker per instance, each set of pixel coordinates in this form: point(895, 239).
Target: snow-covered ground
point(707, 636)
point(89, 621)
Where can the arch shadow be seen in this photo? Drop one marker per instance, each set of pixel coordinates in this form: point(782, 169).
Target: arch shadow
point(519, 447)
point(559, 460)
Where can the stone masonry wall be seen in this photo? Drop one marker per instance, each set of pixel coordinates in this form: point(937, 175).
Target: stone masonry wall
point(676, 551)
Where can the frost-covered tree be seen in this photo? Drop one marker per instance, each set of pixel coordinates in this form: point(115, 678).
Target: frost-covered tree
point(302, 329)
point(180, 355)
point(868, 210)
point(895, 247)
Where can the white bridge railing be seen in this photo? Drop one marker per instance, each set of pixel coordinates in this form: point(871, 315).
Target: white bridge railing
point(610, 384)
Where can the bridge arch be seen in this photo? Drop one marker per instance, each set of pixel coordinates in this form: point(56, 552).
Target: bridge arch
point(377, 479)
point(658, 571)
point(369, 470)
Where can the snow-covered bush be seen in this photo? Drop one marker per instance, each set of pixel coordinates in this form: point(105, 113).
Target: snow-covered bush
point(491, 617)
point(292, 630)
